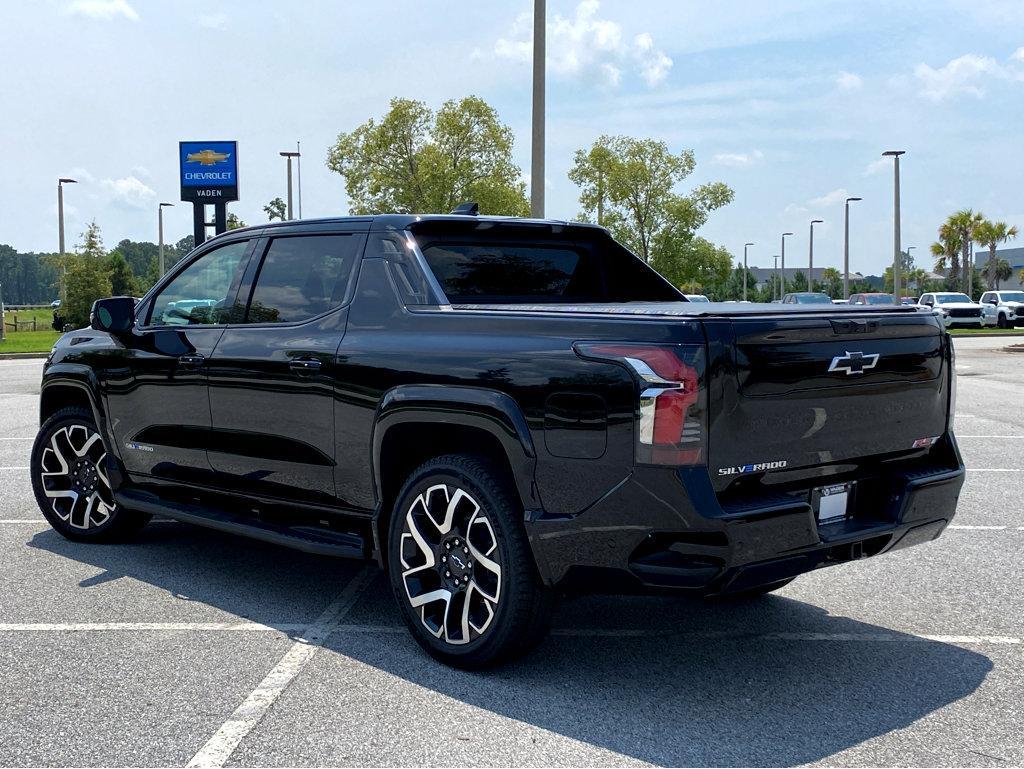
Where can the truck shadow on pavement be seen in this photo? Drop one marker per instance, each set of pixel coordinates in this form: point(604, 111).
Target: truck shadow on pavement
point(646, 678)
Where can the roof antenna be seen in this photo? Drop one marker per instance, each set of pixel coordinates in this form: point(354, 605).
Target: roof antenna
point(467, 209)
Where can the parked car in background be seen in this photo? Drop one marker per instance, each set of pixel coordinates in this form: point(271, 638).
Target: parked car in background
point(697, 297)
point(908, 300)
point(55, 304)
point(1002, 308)
point(807, 297)
point(872, 299)
point(955, 309)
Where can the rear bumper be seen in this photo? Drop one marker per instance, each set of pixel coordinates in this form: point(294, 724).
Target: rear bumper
point(637, 540)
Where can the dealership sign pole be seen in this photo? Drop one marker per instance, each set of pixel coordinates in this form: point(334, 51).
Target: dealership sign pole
point(209, 175)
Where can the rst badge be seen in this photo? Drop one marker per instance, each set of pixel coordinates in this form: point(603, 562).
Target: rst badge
point(854, 362)
point(760, 467)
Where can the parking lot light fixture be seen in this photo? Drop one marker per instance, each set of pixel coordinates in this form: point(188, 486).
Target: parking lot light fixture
point(810, 255)
point(782, 288)
point(846, 248)
point(289, 156)
point(60, 209)
point(160, 228)
point(896, 250)
point(745, 245)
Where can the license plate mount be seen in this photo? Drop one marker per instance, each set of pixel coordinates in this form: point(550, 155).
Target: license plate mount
point(834, 503)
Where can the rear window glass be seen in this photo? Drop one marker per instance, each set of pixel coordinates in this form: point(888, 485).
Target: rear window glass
point(493, 270)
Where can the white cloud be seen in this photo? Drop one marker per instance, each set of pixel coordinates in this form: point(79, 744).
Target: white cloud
point(830, 198)
point(848, 81)
point(213, 20)
point(587, 47)
point(130, 191)
point(737, 159)
point(1018, 55)
point(793, 208)
point(103, 9)
point(964, 74)
point(877, 166)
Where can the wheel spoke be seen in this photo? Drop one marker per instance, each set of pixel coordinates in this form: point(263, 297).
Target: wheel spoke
point(73, 476)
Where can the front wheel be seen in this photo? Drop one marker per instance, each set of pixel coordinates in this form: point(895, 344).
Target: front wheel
point(70, 482)
point(461, 567)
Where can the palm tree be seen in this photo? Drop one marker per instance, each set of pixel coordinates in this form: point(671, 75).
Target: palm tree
point(965, 222)
point(991, 234)
point(946, 251)
point(1003, 272)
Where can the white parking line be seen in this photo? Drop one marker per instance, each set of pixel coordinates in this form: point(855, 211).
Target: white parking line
point(977, 528)
point(22, 520)
point(222, 744)
point(13, 468)
point(994, 470)
point(148, 627)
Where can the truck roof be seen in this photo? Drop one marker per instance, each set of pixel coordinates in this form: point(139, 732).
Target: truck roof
point(403, 221)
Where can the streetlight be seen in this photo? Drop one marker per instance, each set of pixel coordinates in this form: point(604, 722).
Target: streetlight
point(782, 288)
point(160, 218)
point(289, 155)
point(60, 208)
point(775, 276)
point(537, 144)
point(895, 155)
point(810, 255)
point(846, 248)
point(745, 270)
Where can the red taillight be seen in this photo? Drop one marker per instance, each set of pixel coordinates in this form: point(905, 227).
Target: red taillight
point(671, 417)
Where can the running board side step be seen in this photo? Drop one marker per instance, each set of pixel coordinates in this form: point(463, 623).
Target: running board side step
point(305, 538)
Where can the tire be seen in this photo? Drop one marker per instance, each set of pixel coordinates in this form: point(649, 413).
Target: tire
point(754, 593)
point(461, 567)
point(1002, 322)
point(70, 482)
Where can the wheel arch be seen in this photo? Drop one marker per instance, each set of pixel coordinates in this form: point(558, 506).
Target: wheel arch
point(415, 423)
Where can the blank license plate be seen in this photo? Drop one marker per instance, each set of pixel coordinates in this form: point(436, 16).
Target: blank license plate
point(832, 503)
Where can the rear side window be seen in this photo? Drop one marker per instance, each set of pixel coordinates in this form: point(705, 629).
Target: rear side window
point(302, 277)
point(497, 270)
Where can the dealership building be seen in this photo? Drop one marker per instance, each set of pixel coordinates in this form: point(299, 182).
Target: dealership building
point(1013, 256)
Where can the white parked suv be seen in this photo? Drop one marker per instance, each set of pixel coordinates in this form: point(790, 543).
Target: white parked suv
point(955, 309)
point(1002, 308)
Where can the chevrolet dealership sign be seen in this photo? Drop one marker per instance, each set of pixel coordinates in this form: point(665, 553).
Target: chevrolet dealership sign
point(209, 171)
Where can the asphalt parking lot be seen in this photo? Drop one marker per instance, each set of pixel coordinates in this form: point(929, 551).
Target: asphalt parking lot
point(192, 646)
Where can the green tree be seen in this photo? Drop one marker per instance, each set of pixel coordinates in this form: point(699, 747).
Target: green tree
point(832, 282)
point(946, 251)
point(415, 161)
point(629, 185)
point(122, 280)
point(965, 224)
point(276, 209)
point(695, 266)
point(733, 288)
point(86, 278)
point(1002, 272)
point(234, 223)
point(798, 283)
point(991, 234)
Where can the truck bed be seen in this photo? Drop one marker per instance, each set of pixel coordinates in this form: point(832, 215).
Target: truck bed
point(694, 309)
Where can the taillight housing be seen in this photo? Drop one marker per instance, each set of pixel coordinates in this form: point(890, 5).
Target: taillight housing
point(671, 398)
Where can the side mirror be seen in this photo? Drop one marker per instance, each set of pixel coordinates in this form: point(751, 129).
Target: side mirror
point(114, 315)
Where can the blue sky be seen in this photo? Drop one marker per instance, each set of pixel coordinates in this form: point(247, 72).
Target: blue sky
point(790, 102)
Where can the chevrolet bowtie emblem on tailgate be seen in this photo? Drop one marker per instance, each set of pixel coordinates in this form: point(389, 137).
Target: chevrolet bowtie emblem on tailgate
point(854, 362)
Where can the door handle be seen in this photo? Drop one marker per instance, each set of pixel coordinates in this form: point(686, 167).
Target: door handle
point(304, 366)
point(191, 361)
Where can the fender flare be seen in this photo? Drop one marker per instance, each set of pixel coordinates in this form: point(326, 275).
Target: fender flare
point(481, 408)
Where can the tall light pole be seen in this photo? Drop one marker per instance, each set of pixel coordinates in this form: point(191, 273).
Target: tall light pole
point(745, 270)
point(289, 156)
point(810, 255)
point(298, 172)
point(60, 209)
point(782, 287)
point(846, 248)
point(537, 146)
point(160, 231)
point(896, 250)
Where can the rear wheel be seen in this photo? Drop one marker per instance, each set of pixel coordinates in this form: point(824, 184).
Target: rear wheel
point(1002, 322)
point(461, 567)
point(70, 481)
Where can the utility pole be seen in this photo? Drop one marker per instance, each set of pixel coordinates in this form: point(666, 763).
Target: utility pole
point(298, 172)
point(745, 270)
point(160, 227)
point(846, 249)
point(810, 256)
point(775, 276)
point(289, 156)
point(60, 210)
point(896, 250)
point(537, 147)
point(782, 287)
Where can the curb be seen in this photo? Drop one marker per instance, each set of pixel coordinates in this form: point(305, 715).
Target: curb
point(989, 336)
point(1014, 348)
point(22, 355)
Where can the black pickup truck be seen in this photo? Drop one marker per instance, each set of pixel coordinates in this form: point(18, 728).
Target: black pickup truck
point(497, 411)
